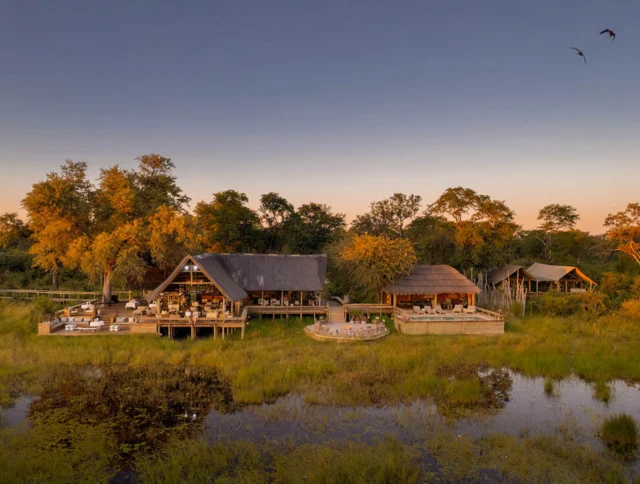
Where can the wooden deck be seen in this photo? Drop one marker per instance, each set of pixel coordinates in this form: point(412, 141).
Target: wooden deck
point(484, 322)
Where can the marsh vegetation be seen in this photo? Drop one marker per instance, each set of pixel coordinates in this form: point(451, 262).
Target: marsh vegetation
point(405, 409)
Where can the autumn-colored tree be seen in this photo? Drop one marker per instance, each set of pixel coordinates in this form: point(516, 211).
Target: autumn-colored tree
point(373, 262)
point(59, 210)
point(172, 234)
point(137, 220)
point(624, 229)
point(228, 224)
point(389, 216)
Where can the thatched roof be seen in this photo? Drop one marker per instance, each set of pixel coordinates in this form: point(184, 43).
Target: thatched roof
point(549, 273)
point(500, 274)
point(237, 274)
point(433, 279)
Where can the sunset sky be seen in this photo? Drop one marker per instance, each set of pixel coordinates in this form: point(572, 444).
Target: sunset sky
point(337, 102)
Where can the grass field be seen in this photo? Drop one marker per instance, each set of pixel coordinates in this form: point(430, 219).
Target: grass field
point(276, 358)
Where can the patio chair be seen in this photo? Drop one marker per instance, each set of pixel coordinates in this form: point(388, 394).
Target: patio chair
point(457, 308)
point(417, 310)
point(469, 310)
point(439, 309)
point(429, 310)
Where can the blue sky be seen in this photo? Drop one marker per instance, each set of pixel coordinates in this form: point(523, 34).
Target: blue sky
point(335, 102)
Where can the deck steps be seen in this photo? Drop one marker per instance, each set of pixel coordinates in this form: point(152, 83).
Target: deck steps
point(336, 314)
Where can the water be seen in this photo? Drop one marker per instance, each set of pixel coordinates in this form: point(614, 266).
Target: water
point(158, 402)
point(529, 411)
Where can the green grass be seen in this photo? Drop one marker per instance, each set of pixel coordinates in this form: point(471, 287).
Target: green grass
point(620, 433)
point(277, 358)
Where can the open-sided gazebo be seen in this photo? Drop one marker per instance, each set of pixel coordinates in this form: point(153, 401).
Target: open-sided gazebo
point(432, 284)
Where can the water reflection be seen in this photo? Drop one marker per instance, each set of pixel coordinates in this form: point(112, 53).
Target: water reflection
point(137, 409)
point(523, 409)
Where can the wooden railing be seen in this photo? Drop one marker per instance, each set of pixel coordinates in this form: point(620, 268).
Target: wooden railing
point(498, 316)
point(60, 296)
point(369, 308)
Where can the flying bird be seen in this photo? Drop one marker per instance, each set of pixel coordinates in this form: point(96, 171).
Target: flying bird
point(611, 33)
point(580, 54)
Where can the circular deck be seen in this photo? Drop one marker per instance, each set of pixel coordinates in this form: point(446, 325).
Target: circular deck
point(346, 332)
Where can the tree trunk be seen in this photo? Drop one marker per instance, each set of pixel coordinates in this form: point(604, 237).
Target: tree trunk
point(106, 288)
point(54, 279)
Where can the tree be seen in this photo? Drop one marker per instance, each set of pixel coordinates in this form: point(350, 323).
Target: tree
point(157, 186)
point(484, 228)
point(556, 217)
point(456, 203)
point(276, 212)
point(434, 239)
point(14, 233)
point(316, 226)
point(388, 216)
point(228, 224)
point(59, 210)
point(172, 234)
point(136, 222)
point(624, 229)
point(373, 262)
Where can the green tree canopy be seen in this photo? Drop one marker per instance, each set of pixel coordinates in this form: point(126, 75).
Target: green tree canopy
point(14, 233)
point(315, 226)
point(556, 217)
point(228, 224)
point(389, 216)
point(275, 213)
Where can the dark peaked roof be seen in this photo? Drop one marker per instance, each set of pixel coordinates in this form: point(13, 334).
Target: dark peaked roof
point(433, 279)
point(500, 274)
point(237, 274)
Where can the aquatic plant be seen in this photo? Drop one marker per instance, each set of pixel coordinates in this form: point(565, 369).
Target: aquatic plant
point(601, 391)
point(620, 433)
point(549, 388)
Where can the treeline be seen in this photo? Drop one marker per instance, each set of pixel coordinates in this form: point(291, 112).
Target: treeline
point(133, 225)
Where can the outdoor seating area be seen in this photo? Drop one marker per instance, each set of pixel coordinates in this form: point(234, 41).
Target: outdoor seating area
point(345, 332)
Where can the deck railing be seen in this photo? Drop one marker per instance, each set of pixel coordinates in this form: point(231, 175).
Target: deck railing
point(58, 295)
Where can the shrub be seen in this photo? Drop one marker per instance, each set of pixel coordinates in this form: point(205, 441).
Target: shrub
point(564, 304)
point(615, 286)
point(44, 308)
point(620, 433)
point(631, 308)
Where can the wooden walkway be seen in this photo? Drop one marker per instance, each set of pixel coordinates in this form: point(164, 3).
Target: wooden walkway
point(60, 296)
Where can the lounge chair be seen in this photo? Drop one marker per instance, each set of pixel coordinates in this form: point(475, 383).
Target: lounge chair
point(457, 308)
point(429, 310)
point(439, 309)
point(470, 310)
point(417, 310)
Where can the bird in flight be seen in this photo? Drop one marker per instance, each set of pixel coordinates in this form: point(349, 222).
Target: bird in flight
point(611, 33)
point(580, 54)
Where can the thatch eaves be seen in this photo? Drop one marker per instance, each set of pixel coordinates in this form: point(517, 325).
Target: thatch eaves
point(433, 279)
